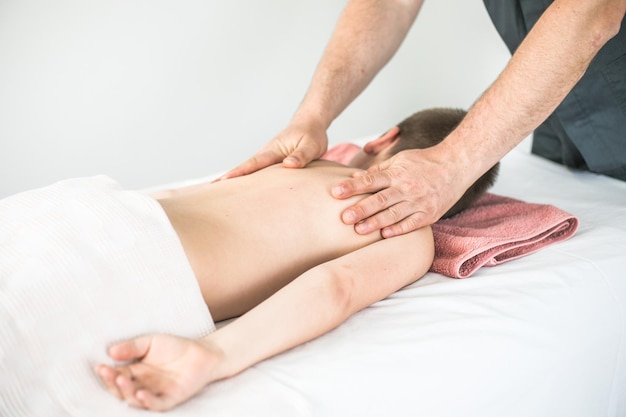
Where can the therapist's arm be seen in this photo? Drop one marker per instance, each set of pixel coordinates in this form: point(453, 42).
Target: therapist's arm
point(417, 187)
point(367, 35)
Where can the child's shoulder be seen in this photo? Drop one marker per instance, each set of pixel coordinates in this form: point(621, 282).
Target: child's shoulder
point(315, 169)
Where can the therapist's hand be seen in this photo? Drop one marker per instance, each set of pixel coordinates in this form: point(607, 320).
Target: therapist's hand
point(413, 189)
point(296, 146)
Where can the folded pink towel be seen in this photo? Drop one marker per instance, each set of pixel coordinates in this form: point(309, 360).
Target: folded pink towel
point(496, 229)
point(342, 153)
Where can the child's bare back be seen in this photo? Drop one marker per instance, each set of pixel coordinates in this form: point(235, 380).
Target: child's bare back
point(249, 236)
point(272, 245)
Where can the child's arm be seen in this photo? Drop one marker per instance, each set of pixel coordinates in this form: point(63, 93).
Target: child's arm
point(170, 369)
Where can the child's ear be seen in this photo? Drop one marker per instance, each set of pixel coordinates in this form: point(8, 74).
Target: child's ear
point(383, 142)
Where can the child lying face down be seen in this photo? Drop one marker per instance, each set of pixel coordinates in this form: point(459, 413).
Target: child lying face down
point(271, 249)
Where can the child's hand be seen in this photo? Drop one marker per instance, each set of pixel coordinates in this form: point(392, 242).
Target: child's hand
point(166, 370)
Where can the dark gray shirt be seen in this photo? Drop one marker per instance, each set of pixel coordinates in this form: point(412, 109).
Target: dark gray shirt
point(588, 129)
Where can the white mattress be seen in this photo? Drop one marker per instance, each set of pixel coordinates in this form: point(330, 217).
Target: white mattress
point(539, 336)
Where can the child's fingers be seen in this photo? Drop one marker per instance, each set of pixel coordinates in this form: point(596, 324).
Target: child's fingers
point(131, 349)
point(128, 390)
point(108, 375)
point(154, 402)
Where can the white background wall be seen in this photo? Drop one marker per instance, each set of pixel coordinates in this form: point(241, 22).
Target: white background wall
point(158, 91)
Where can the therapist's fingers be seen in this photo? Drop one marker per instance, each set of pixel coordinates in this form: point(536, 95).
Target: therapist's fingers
point(376, 178)
point(295, 146)
point(396, 220)
point(363, 183)
point(259, 161)
point(298, 158)
point(370, 206)
point(387, 210)
point(403, 200)
point(305, 152)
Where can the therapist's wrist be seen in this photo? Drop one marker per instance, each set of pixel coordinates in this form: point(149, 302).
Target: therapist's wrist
point(311, 120)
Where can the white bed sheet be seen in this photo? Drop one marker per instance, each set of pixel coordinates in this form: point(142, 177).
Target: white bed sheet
point(539, 336)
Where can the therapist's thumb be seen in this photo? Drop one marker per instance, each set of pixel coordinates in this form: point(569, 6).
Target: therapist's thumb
point(302, 155)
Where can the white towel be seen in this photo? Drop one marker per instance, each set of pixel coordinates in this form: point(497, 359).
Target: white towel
point(83, 264)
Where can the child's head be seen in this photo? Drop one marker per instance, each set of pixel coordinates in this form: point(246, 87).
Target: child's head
point(421, 130)
point(426, 128)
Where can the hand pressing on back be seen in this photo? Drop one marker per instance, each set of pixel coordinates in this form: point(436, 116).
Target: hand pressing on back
point(296, 146)
point(413, 189)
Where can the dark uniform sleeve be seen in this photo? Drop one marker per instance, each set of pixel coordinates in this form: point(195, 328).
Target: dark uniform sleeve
point(588, 129)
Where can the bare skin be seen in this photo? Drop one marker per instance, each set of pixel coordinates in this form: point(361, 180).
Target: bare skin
point(416, 187)
point(292, 270)
point(208, 219)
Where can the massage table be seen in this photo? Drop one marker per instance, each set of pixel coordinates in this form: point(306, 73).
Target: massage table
point(542, 335)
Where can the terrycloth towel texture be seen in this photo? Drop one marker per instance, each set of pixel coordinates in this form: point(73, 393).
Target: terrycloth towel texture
point(494, 230)
point(342, 153)
point(83, 264)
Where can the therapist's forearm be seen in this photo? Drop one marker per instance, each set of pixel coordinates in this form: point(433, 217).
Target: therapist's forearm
point(543, 70)
point(367, 35)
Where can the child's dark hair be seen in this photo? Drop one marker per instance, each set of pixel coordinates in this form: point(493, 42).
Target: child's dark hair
point(429, 127)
